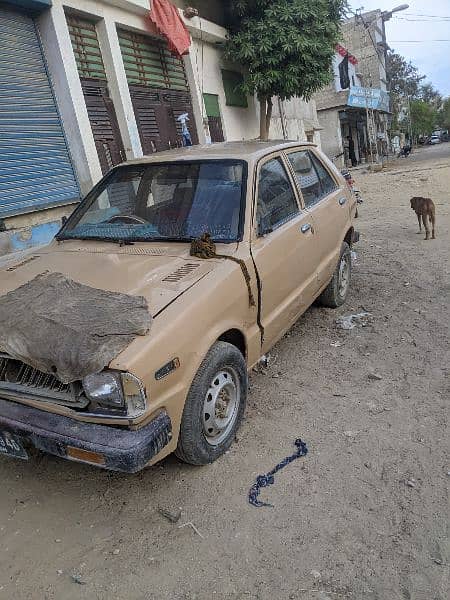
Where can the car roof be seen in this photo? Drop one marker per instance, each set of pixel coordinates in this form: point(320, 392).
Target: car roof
point(251, 150)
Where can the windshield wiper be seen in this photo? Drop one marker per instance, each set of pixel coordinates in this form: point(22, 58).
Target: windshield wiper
point(124, 241)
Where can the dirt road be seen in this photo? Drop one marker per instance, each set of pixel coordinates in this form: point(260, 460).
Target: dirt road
point(362, 517)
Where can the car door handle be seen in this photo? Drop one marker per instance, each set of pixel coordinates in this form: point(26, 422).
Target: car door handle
point(342, 200)
point(306, 227)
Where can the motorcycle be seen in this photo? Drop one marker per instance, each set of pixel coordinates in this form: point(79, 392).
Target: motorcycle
point(351, 184)
point(405, 151)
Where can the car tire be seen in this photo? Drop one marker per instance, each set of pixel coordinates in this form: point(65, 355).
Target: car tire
point(214, 406)
point(335, 294)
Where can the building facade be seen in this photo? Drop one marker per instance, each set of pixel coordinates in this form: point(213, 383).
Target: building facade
point(87, 84)
point(354, 109)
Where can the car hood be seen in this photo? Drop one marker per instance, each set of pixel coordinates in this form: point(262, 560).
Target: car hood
point(157, 272)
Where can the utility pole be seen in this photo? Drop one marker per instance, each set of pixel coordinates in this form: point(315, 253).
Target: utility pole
point(367, 83)
point(410, 121)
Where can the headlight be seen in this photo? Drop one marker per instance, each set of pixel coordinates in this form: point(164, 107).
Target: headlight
point(120, 391)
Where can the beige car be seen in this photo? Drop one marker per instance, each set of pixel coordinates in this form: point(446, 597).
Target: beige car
point(280, 217)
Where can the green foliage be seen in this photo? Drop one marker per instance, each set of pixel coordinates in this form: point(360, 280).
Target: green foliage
point(423, 117)
point(429, 94)
point(444, 114)
point(287, 46)
point(404, 78)
point(405, 82)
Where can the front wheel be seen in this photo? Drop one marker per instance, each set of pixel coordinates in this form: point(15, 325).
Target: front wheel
point(214, 406)
point(335, 294)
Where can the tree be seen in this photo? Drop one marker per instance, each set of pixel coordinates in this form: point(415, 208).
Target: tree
point(403, 77)
point(429, 94)
point(287, 48)
point(444, 114)
point(423, 118)
point(404, 82)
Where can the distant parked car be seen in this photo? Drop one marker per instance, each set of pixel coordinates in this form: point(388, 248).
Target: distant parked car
point(435, 139)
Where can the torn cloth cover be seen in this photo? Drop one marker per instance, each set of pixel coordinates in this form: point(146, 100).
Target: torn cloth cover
point(67, 329)
point(168, 22)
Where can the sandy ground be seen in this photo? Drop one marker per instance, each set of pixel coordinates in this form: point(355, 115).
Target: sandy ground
point(362, 517)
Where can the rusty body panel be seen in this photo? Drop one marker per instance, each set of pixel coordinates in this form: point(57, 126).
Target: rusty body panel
point(193, 301)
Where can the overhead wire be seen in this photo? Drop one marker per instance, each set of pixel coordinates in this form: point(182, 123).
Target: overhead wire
point(417, 20)
point(408, 14)
point(416, 41)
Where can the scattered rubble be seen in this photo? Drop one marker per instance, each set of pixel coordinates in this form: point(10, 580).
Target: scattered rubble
point(173, 517)
point(351, 321)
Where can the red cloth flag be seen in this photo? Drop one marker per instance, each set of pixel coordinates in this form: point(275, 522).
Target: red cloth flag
point(168, 22)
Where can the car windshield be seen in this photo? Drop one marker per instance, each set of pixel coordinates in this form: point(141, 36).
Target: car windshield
point(173, 201)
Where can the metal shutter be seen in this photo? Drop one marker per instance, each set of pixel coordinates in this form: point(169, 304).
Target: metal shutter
point(159, 91)
point(149, 62)
point(100, 108)
point(103, 120)
point(35, 167)
point(86, 47)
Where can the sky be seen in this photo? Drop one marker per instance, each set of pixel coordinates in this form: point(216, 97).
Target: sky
point(430, 56)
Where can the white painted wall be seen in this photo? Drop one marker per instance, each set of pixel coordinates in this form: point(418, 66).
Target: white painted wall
point(206, 57)
point(66, 84)
point(118, 86)
point(238, 123)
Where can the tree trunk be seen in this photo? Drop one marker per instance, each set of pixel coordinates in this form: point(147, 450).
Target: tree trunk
point(263, 131)
point(268, 116)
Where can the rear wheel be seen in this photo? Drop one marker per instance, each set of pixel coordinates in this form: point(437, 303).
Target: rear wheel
point(335, 294)
point(214, 406)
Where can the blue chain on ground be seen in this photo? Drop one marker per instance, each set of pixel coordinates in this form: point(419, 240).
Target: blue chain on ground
point(269, 479)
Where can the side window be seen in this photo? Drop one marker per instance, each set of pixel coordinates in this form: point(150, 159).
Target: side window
point(276, 198)
point(327, 182)
point(313, 178)
point(307, 177)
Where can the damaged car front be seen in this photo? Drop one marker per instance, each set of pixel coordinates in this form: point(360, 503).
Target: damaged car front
point(90, 325)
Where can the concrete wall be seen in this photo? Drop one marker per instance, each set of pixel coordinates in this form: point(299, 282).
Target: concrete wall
point(295, 119)
point(331, 137)
point(206, 57)
point(363, 43)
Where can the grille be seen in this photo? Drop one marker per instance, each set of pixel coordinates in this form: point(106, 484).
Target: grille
point(18, 377)
point(181, 272)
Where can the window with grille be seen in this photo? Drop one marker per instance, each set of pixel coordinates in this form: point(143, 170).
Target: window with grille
point(86, 47)
point(149, 62)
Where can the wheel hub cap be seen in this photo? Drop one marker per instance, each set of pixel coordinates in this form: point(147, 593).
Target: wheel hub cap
point(220, 406)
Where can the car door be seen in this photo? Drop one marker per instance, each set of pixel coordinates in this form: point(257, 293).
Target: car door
point(284, 249)
point(326, 202)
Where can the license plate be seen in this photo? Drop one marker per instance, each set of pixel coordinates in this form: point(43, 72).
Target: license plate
point(10, 445)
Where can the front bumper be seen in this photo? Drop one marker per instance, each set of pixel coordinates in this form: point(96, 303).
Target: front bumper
point(121, 449)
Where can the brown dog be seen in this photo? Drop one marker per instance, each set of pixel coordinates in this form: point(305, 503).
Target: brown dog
point(425, 210)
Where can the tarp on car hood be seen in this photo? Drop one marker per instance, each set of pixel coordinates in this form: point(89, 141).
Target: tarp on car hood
point(68, 329)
